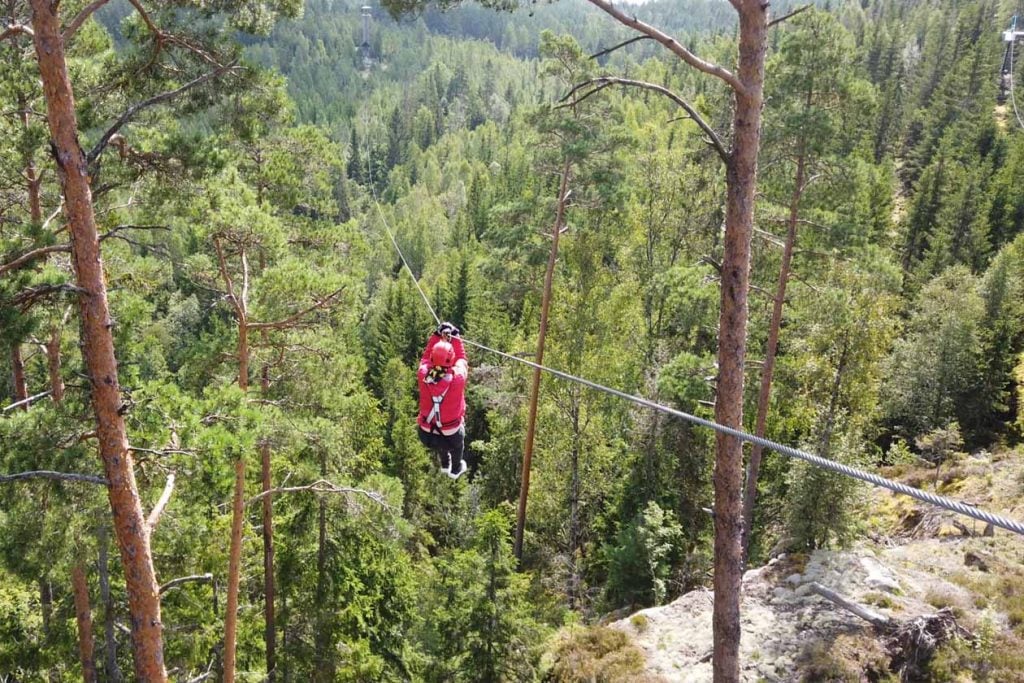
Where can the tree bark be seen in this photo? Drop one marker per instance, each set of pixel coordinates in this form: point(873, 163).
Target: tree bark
point(32, 179)
point(18, 376)
point(531, 421)
point(768, 370)
point(83, 616)
point(243, 353)
point(46, 605)
point(110, 666)
point(574, 506)
point(234, 571)
point(728, 474)
point(270, 635)
point(98, 348)
point(53, 365)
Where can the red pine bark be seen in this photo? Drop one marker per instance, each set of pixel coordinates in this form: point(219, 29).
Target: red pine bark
point(83, 615)
point(98, 348)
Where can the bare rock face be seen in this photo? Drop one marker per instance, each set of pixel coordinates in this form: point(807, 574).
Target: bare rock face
point(786, 627)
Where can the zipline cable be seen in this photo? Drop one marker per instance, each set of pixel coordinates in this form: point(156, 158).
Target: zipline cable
point(1013, 96)
point(384, 220)
point(817, 460)
point(831, 465)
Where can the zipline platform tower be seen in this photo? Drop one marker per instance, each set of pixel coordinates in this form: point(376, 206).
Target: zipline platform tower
point(365, 50)
point(1010, 37)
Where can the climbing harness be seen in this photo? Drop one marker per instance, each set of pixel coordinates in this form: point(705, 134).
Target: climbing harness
point(434, 416)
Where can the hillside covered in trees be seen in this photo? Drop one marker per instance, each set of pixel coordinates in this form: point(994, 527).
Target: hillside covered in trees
point(214, 425)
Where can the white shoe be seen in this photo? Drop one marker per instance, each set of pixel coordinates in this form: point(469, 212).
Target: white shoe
point(462, 469)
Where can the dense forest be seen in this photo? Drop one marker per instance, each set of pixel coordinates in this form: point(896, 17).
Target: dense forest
point(245, 163)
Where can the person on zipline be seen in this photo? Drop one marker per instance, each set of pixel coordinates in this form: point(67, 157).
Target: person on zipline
point(442, 380)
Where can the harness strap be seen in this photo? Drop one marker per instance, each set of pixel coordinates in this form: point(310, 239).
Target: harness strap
point(434, 416)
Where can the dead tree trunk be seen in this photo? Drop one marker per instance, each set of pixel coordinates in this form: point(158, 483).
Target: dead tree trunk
point(768, 370)
point(531, 421)
point(83, 615)
point(741, 179)
point(98, 348)
point(728, 474)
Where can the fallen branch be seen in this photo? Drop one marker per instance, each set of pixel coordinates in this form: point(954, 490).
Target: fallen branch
point(55, 476)
point(873, 618)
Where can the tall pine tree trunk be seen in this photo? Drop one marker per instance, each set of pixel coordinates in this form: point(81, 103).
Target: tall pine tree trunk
point(98, 348)
point(270, 635)
point(768, 369)
point(728, 475)
point(83, 615)
point(531, 422)
point(234, 571)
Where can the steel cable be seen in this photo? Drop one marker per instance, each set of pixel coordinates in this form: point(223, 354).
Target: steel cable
point(817, 460)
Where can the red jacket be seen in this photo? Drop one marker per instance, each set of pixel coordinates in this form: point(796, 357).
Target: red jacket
point(452, 385)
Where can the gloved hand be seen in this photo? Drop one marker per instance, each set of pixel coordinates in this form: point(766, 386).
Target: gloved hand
point(447, 330)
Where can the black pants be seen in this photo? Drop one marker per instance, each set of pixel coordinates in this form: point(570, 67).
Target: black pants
point(445, 446)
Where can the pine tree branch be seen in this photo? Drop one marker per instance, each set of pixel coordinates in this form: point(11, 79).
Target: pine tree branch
point(293, 319)
point(16, 29)
point(322, 486)
point(604, 81)
point(671, 44)
point(26, 401)
point(30, 256)
point(222, 265)
point(80, 18)
point(55, 476)
point(158, 509)
point(792, 14)
point(174, 583)
point(130, 113)
point(623, 44)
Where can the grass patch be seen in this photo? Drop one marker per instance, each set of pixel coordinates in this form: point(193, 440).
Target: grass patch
point(596, 654)
point(882, 600)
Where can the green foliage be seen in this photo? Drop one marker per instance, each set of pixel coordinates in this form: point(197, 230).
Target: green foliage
point(640, 561)
point(934, 373)
point(903, 315)
point(478, 619)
